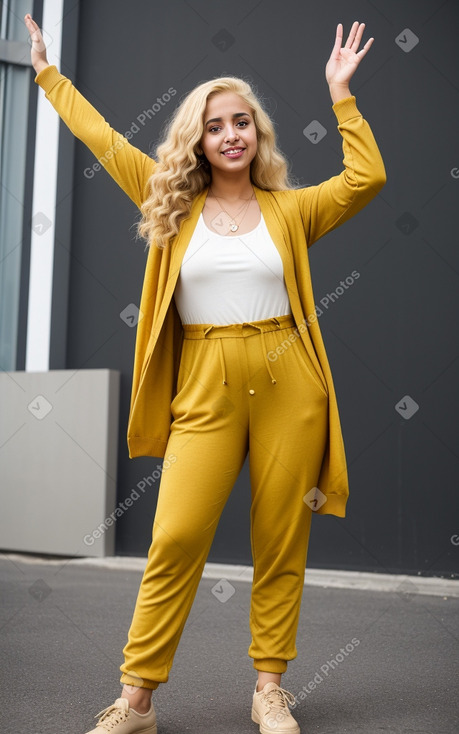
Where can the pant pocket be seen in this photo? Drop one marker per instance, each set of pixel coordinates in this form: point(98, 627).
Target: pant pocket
point(197, 377)
point(186, 372)
point(305, 359)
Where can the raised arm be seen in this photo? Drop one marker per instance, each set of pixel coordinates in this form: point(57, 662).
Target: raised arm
point(130, 167)
point(327, 205)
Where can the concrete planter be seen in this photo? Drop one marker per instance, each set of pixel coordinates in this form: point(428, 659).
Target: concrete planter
point(58, 461)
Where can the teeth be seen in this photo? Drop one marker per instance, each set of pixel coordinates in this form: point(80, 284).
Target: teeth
point(233, 150)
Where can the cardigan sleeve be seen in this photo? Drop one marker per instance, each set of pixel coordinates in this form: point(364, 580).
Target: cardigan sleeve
point(327, 205)
point(128, 166)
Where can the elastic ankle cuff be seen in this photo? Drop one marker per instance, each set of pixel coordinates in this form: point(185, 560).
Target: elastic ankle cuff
point(270, 665)
point(130, 680)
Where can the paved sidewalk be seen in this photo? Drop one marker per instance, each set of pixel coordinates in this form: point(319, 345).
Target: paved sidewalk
point(369, 662)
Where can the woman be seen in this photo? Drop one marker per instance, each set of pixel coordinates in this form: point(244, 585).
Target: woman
point(229, 358)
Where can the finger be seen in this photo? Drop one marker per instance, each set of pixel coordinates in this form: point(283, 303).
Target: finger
point(355, 36)
point(351, 36)
point(36, 36)
point(338, 41)
point(367, 46)
point(358, 37)
point(31, 25)
point(30, 21)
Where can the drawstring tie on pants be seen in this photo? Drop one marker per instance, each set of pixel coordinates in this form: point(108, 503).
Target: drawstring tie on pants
point(265, 355)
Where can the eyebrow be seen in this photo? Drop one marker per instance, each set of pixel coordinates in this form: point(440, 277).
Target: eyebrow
point(236, 114)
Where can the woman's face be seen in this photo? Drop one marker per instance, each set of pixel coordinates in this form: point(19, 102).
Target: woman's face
point(229, 124)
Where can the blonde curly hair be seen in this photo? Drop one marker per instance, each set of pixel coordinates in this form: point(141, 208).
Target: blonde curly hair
point(181, 172)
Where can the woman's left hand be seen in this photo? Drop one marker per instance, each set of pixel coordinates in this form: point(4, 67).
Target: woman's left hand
point(344, 61)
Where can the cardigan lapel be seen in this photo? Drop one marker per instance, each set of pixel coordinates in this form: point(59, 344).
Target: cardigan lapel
point(279, 236)
point(299, 309)
point(276, 232)
point(179, 247)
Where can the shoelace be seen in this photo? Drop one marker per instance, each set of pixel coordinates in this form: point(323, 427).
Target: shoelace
point(279, 698)
point(112, 715)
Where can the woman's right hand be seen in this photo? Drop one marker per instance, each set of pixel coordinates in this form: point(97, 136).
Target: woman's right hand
point(38, 51)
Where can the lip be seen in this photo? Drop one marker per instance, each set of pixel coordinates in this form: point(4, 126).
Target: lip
point(233, 155)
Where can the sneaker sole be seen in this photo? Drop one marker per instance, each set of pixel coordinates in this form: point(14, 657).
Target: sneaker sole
point(148, 730)
point(264, 730)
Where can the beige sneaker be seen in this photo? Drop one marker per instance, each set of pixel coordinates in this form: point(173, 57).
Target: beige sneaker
point(270, 710)
point(119, 718)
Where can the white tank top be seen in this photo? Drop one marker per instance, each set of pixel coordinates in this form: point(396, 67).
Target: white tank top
point(231, 279)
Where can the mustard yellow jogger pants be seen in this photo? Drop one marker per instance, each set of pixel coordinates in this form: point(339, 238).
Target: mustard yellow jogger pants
point(243, 387)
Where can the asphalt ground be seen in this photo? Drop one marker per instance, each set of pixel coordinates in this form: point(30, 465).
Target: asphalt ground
point(369, 662)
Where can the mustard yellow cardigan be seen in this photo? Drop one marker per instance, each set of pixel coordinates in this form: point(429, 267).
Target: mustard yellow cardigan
point(295, 219)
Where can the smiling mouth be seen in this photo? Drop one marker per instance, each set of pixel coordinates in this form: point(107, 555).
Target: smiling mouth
point(233, 152)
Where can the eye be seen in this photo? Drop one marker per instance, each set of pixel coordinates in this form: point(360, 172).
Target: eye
point(217, 127)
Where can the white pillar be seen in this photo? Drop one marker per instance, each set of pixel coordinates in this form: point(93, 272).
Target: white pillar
point(44, 205)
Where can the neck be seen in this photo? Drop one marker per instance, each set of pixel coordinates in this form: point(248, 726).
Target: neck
point(231, 187)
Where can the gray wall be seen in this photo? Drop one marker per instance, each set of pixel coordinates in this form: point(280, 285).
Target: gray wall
point(387, 336)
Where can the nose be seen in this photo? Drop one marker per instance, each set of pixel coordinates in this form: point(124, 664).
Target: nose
point(231, 134)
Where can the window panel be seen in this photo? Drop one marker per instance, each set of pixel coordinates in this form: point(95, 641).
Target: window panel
point(14, 96)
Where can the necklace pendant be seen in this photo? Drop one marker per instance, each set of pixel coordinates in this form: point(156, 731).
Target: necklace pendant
point(234, 227)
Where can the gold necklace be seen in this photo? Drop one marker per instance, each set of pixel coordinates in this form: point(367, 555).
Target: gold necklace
point(232, 225)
